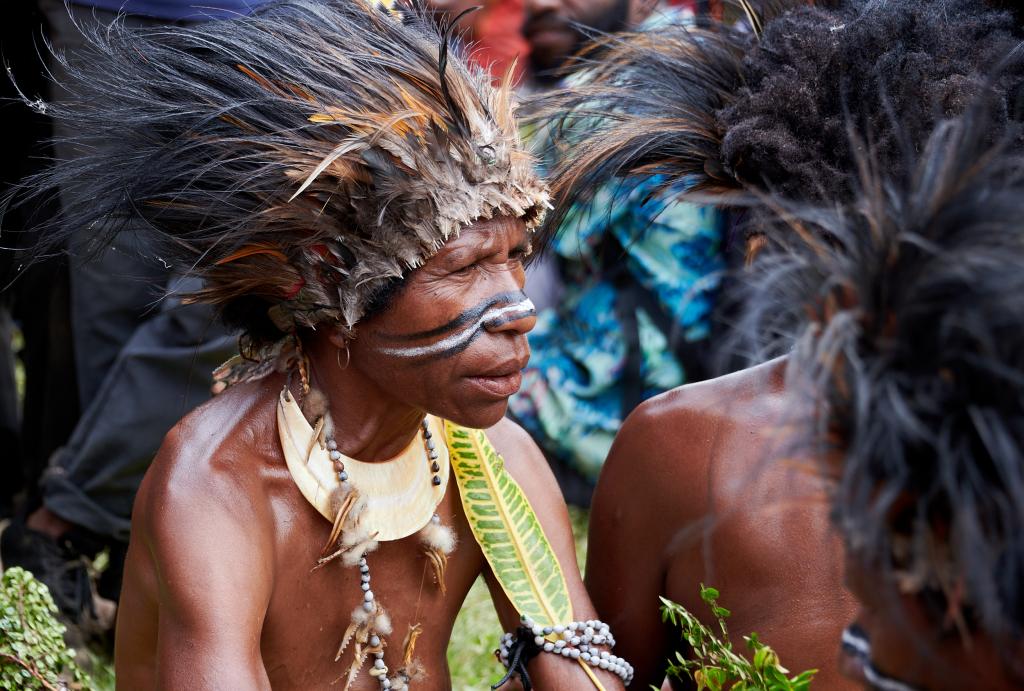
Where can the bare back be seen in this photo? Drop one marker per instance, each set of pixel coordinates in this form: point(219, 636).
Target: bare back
point(698, 489)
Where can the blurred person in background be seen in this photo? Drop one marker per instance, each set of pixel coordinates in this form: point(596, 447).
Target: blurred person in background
point(630, 281)
point(38, 411)
point(141, 363)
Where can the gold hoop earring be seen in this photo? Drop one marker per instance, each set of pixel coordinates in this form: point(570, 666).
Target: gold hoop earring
point(348, 357)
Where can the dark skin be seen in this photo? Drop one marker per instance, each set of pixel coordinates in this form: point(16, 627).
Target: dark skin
point(695, 490)
point(219, 591)
point(910, 646)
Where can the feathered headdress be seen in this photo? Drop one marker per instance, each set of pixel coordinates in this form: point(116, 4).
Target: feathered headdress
point(767, 106)
point(298, 160)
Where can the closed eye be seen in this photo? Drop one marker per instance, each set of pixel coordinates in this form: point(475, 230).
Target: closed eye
point(520, 252)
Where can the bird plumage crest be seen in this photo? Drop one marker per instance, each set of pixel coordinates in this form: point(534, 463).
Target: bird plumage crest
point(299, 160)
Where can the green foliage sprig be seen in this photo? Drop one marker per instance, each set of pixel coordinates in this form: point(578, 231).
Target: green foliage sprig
point(715, 666)
point(33, 654)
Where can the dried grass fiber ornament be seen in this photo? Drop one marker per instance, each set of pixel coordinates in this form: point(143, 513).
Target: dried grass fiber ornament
point(297, 160)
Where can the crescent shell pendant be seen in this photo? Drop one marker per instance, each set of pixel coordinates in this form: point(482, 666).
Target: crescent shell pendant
point(400, 494)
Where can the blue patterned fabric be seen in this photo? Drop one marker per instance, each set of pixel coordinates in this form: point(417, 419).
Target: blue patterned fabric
point(571, 400)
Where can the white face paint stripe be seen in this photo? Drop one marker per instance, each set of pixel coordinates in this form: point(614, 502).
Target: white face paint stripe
point(526, 307)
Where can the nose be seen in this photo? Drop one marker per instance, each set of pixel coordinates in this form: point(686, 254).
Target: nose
point(535, 7)
point(516, 318)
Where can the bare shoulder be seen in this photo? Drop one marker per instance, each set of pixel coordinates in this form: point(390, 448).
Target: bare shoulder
point(666, 446)
point(524, 461)
point(209, 465)
point(516, 446)
point(747, 392)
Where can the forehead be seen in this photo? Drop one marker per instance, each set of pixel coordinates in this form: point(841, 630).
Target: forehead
point(488, 235)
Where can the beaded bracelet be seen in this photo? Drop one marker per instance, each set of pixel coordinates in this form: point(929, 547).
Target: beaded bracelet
point(576, 640)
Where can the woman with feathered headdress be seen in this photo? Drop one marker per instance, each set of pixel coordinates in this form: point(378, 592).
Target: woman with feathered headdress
point(357, 201)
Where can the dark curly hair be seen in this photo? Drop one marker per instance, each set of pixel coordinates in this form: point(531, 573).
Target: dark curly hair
point(769, 107)
point(889, 71)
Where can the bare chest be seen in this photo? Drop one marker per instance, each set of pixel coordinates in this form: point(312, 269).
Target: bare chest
point(312, 608)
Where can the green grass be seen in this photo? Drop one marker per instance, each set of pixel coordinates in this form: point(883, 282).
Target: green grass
point(475, 635)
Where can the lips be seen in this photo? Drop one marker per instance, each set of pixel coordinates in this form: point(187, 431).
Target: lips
point(501, 381)
point(499, 387)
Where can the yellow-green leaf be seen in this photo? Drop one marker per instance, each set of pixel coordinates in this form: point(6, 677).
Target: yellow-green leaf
point(507, 530)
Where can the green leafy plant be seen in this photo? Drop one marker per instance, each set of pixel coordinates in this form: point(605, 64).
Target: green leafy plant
point(715, 666)
point(33, 654)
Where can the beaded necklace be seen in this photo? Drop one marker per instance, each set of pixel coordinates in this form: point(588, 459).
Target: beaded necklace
point(370, 503)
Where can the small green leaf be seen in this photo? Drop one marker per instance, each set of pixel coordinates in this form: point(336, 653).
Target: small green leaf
point(708, 594)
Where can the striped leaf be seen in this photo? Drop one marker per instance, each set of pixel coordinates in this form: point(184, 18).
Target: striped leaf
point(507, 529)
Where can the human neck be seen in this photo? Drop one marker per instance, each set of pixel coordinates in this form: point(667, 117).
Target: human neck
point(369, 425)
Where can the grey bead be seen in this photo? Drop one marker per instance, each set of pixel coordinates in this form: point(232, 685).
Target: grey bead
point(368, 596)
point(343, 476)
point(365, 585)
point(335, 455)
point(435, 467)
point(368, 606)
point(430, 444)
point(435, 519)
point(378, 663)
point(436, 482)
point(374, 642)
point(433, 455)
point(332, 445)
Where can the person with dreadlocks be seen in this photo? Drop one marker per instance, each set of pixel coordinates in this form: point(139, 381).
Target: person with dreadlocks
point(702, 484)
point(357, 201)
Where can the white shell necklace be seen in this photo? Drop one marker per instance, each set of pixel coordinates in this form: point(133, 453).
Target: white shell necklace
point(401, 493)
